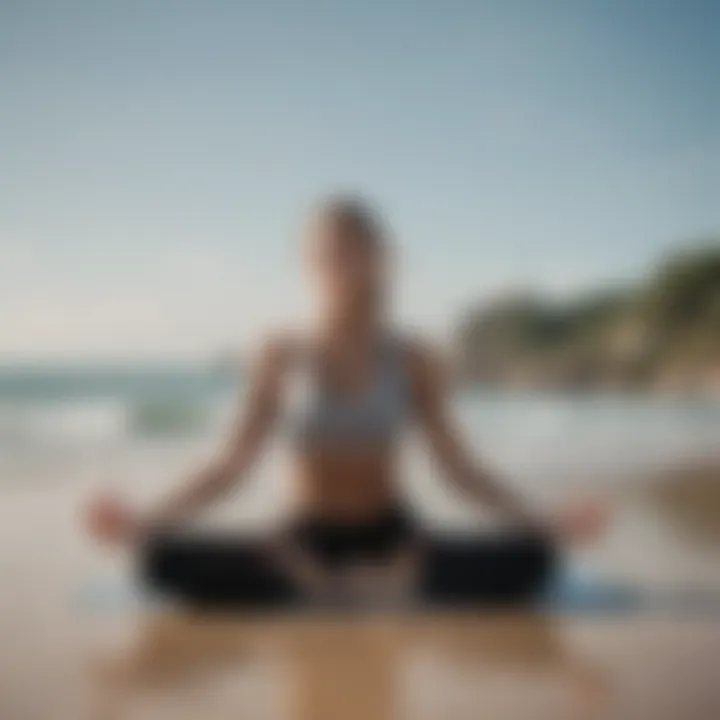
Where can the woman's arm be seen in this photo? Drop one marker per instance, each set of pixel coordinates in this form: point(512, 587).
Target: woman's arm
point(241, 449)
point(111, 520)
point(578, 521)
point(430, 396)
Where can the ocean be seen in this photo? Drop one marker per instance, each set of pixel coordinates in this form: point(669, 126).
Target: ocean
point(66, 412)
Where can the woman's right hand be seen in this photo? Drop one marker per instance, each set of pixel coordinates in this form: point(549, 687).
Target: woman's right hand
point(110, 520)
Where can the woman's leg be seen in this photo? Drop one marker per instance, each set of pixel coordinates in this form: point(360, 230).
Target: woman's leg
point(214, 571)
point(487, 570)
point(224, 571)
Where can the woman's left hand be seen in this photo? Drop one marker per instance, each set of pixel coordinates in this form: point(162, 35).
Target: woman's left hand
point(582, 521)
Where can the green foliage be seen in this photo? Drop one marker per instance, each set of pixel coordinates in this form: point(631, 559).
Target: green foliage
point(668, 323)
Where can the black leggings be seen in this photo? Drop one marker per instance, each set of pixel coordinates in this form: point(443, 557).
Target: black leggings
point(461, 571)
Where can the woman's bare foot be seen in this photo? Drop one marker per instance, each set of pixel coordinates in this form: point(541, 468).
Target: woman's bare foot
point(382, 584)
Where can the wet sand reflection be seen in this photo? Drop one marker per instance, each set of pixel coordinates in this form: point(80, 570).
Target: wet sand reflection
point(379, 667)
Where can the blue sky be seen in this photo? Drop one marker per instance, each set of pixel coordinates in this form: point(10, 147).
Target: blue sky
point(156, 157)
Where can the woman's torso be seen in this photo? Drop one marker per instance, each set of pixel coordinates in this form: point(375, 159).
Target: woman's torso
point(342, 416)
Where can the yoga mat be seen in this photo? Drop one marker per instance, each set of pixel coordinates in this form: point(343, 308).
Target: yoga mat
point(575, 589)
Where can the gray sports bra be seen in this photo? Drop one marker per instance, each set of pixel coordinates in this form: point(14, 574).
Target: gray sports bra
point(314, 416)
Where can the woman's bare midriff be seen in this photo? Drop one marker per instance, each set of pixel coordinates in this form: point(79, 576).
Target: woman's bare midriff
point(345, 485)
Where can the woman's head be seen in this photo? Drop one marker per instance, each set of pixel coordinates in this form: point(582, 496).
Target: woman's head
point(346, 249)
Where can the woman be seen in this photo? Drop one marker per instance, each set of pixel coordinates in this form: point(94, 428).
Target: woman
point(351, 535)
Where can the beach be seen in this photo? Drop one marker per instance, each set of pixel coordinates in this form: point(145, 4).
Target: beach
point(339, 198)
point(61, 657)
point(60, 663)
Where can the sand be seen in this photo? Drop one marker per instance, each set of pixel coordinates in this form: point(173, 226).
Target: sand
point(58, 661)
point(689, 497)
point(382, 668)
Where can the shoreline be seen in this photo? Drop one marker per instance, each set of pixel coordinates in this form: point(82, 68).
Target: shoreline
point(589, 390)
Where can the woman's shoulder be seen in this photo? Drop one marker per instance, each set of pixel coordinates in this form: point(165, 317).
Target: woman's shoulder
point(277, 350)
point(417, 347)
point(425, 359)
